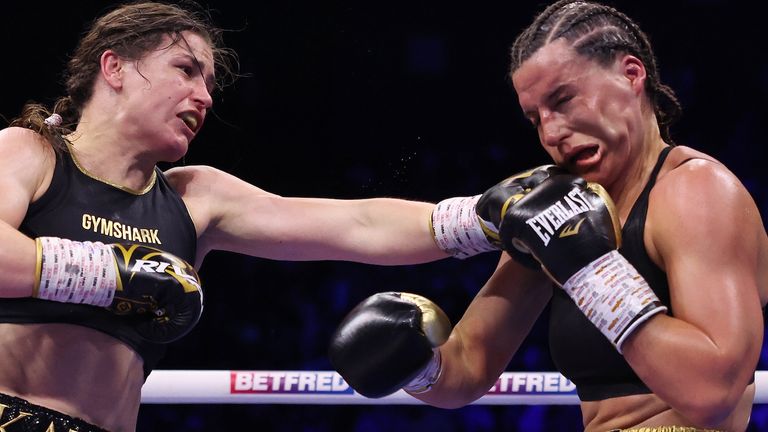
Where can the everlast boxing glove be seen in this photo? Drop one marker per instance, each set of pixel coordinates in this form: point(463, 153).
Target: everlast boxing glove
point(571, 228)
point(160, 292)
point(388, 342)
point(493, 204)
point(467, 226)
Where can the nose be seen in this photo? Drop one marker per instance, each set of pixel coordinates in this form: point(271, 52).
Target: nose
point(202, 97)
point(552, 129)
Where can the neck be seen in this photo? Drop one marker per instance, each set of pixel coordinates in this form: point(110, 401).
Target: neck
point(642, 159)
point(100, 149)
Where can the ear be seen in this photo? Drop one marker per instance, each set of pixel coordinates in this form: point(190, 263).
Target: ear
point(633, 70)
point(112, 69)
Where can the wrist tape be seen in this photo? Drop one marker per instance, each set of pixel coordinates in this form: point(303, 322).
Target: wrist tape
point(428, 376)
point(613, 296)
point(75, 272)
point(456, 228)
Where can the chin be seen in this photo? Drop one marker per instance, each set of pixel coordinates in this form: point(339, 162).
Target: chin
point(174, 153)
point(593, 172)
point(593, 175)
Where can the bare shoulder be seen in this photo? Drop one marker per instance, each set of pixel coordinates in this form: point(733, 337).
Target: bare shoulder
point(26, 159)
point(698, 202)
point(679, 154)
point(16, 142)
point(207, 182)
point(212, 196)
point(185, 176)
point(691, 177)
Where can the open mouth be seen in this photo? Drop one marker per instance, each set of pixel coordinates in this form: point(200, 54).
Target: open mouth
point(190, 120)
point(585, 156)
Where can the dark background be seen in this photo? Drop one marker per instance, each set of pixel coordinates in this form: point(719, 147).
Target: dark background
point(403, 99)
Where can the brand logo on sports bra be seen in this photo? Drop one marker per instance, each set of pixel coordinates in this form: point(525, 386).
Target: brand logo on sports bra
point(120, 230)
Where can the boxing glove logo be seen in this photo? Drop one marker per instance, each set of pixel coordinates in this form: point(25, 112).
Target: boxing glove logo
point(180, 273)
point(547, 222)
point(151, 276)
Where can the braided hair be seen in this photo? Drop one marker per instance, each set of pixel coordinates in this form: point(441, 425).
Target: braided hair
point(599, 32)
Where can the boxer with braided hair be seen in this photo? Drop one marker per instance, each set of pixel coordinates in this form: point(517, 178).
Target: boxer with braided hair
point(598, 31)
point(652, 258)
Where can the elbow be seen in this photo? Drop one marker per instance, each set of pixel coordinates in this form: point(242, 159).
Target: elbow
point(710, 408)
point(709, 419)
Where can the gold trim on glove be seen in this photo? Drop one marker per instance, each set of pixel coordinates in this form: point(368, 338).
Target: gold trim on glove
point(434, 322)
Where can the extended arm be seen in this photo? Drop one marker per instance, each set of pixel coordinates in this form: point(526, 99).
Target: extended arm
point(232, 215)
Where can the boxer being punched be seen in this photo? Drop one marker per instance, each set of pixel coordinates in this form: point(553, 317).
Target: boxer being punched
point(659, 324)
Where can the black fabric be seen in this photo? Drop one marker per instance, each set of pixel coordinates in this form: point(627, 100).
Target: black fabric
point(18, 415)
point(79, 207)
point(579, 350)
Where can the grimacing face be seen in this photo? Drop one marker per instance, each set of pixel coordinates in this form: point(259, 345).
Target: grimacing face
point(587, 116)
point(167, 93)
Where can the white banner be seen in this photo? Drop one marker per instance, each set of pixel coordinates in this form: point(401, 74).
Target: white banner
point(328, 388)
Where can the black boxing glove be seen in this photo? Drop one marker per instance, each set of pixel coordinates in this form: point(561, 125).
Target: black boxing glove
point(389, 342)
point(492, 206)
point(571, 228)
point(466, 226)
point(160, 292)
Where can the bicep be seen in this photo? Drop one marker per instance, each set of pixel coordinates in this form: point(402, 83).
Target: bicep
point(217, 203)
point(708, 241)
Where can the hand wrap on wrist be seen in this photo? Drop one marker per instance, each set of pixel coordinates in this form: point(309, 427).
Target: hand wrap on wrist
point(457, 230)
point(75, 272)
point(428, 376)
point(613, 296)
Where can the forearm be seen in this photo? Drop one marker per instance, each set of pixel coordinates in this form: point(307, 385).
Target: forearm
point(465, 377)
point(394, 231)
point(380, 231)
point(17, 263)
point(394, 340)
point(478, 352)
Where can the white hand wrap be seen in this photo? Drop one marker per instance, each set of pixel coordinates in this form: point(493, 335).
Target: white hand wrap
point(457, 229)
point(75, 272)
point(613, 295)
point(428, 376)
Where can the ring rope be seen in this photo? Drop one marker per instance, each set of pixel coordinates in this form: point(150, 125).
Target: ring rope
point(329, 388)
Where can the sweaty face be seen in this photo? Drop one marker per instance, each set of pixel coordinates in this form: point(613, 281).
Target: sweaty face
point(167, 94)
point(586, 115)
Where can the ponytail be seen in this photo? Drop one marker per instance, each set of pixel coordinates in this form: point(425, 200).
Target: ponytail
point(52, 125)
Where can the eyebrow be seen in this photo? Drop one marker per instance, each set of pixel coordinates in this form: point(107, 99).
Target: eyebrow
point(549, 97)
point(554, 94)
